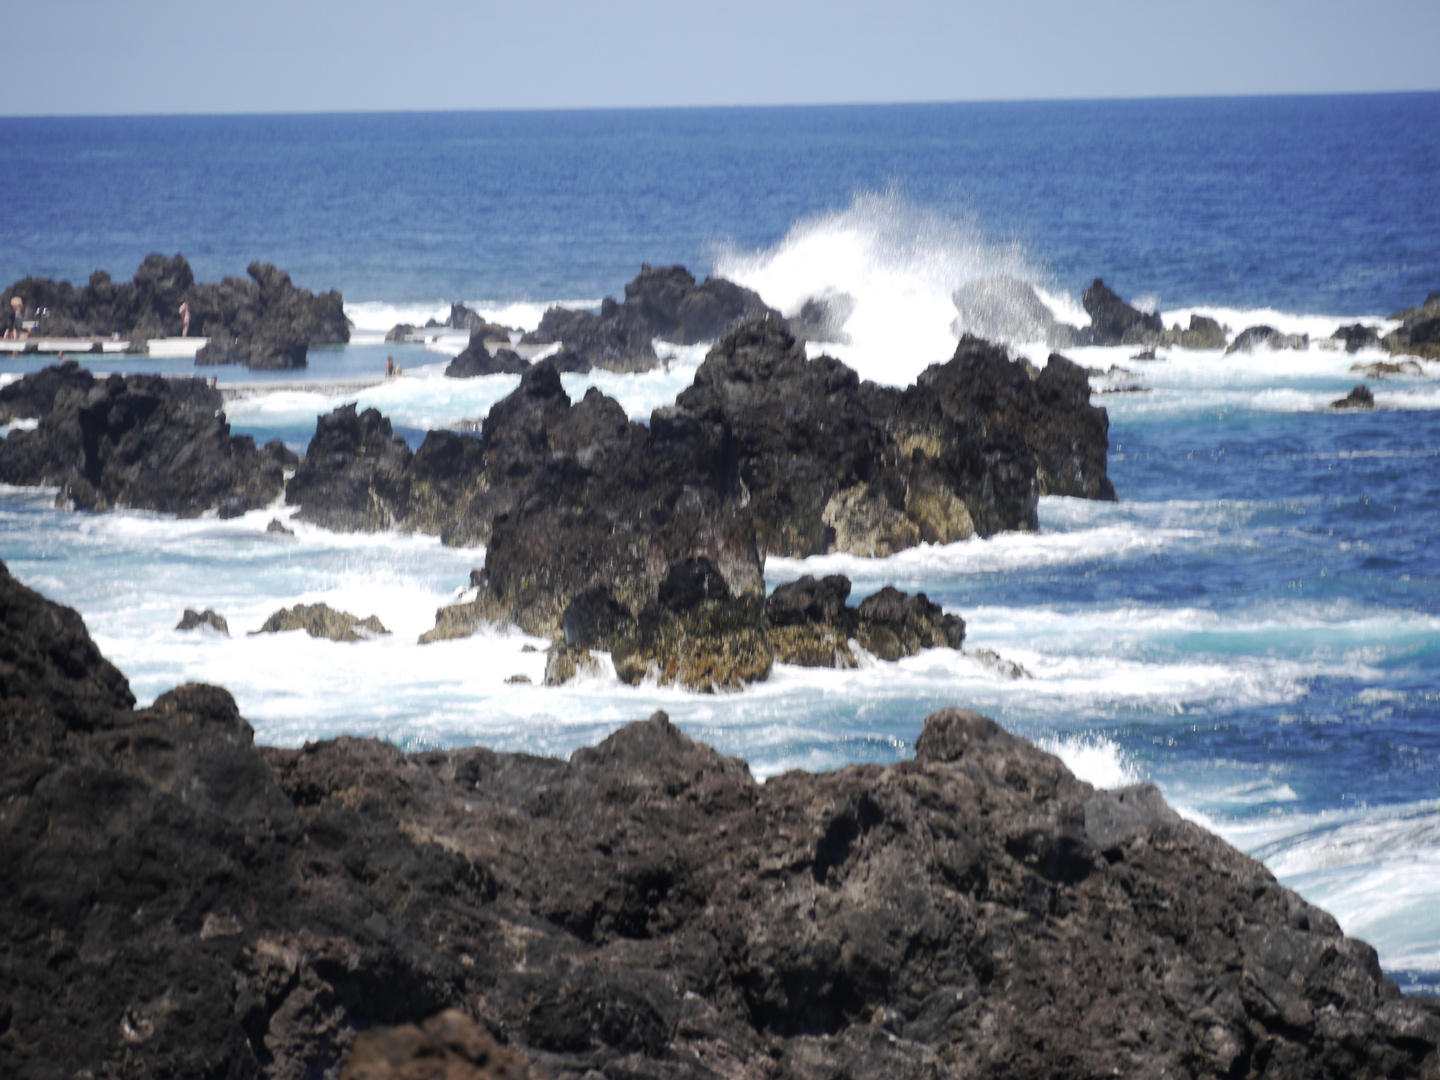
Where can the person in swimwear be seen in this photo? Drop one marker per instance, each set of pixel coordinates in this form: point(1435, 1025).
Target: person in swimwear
point(389, 366)
point(15, 324)
point(184, 318)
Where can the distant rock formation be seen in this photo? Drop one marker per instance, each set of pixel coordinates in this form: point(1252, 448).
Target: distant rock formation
point(138, 441)
point(1253, 336)
point(477, 359)
point(175, 901)
point(1419, 332)
point(265, 322)
point(664, 303)
point(1359, 398)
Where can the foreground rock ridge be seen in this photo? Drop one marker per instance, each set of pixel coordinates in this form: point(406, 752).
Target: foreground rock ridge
point(175, 901)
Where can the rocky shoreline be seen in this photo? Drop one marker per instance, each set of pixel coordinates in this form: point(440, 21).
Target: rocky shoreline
point(176, 901)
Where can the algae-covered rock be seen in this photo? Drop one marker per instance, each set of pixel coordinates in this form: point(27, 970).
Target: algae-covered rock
point(195, 620)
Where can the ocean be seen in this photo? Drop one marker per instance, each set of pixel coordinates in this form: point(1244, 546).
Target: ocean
point(1254, 626)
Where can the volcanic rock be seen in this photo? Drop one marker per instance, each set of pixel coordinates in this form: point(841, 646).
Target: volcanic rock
point(823, 318)
point(1114, 322)
point(1203, 333)
point(138, 441)
point(1003, 308)
point(811, 625)
point(1419, 332)
point(663, 303)
point(564, 662)
point(1359, 398)
point(1252, 336)
point(1357, 336)
point(32, 396)
point(278, 526)
point(176, 902)
point(353, 476)
point(322, 621)
point(195, 620)
point(450, 1046)
point(476, 359)
point(265, 322)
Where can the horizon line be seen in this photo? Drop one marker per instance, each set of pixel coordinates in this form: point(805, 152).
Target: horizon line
point(733, 106)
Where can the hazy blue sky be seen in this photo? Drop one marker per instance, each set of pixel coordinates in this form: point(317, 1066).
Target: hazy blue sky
point(91, 56)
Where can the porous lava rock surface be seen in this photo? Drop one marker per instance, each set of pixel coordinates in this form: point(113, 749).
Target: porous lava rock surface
point(451, 1046)
point(665, 303)
point(175, 901)
point(139, 441)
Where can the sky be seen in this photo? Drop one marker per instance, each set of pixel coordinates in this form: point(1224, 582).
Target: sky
point(267, 56)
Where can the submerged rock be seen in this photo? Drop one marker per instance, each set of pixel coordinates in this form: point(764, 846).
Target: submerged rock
point(195, 620)
point(322, 621)
point(278, 526)
point(664, 303)
point(1359, 398)
point(139, 441)
point(175, 901)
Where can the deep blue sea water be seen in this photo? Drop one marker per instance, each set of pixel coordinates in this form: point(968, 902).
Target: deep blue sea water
point(1255, 626)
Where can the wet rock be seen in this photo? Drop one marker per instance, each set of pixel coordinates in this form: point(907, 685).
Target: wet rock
point(663, 303)
point(450, 1046)
point(138, 441)
point(1382, 369)
point(1114, 322)
point(353, 476)
point(595, 619)
point(823, 318)
point(811, 625)
point(399, 332)
point(1419, 332)
point(322, 621)
point(278, 526)
point(195, 620)
point(477, 359)
point(1252, 336)
point(1202, 333)
point(462, 318)
point(282, 454)
point(1003, 308)
point(565, 662)
point(1359, 398)
point(696, 634)
point(1357, 336)
point(1006, 669)
point(643, 907)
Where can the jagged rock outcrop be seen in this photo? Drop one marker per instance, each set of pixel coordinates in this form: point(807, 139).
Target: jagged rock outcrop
point(811, 625)
point(177, 902)
point(1003, 308)
point(476, 359)
point(265, 322)
point(1254, 336)
point(32, 396)
point(1202, 333)
point(1358, 398)
point(663, 303)
point(198, 620)
point(823, 318)
point(1357, 336)
point(352, 478)
point(1114, 322)
point(138, 441)
point(323, 621)
point(1419, 331)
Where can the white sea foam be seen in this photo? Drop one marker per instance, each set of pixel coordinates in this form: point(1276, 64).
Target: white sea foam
point(900, 262)
point(1093, 758)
